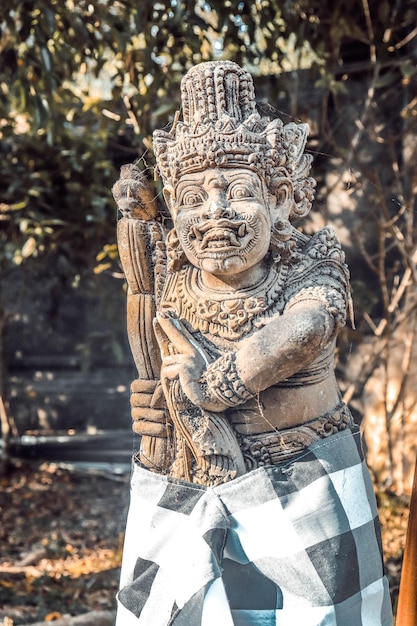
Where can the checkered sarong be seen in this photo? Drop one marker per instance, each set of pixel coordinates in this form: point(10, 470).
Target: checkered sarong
point(297, 543)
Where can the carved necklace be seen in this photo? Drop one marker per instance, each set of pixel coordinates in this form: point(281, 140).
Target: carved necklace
point(229, 315)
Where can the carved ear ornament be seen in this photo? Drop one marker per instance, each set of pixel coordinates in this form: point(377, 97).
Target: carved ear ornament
point(175, 253)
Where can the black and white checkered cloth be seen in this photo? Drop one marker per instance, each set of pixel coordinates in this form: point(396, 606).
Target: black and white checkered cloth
point(282, 545)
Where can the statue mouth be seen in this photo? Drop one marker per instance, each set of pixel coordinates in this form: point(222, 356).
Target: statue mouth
point(220, 234)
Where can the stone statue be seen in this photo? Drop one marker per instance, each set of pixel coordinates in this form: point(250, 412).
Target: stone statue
point(233, 316)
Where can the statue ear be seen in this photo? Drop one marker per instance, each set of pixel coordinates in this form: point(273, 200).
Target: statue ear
point(283, 193)
point(169, 199)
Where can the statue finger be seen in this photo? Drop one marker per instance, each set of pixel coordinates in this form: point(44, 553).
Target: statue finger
point(171, 371)
point(151, 429)
point(161, 337)
point(141, 399)
point(176, 333)
point(150, 415)
point(147, 393)
point(150, 422)
point(143, 385)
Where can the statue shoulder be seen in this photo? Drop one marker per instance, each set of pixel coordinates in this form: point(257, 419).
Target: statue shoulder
point(313, 254)
point(322, 245)
point(320, 274)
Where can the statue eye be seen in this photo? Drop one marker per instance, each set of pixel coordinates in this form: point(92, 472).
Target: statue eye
point(240, 191)
point(191, 197)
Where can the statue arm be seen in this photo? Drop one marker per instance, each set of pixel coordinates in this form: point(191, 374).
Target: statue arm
point(318, 303)
point(286, 345)
point(272, 354)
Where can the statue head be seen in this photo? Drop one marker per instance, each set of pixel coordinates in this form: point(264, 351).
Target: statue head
point(233, 180)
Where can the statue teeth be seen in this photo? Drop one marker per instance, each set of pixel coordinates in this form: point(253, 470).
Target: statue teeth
point(242, 230)
point(197, 233)
point(233, 239)
point(217, 238)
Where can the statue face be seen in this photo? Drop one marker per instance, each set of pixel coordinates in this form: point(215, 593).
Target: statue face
point(222, 220)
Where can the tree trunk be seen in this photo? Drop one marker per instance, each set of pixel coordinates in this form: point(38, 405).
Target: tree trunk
point(407, 601)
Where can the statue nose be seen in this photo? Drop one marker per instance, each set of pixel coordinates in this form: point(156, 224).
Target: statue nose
point(216, 210)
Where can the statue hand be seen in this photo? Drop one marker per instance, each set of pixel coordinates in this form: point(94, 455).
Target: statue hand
point(134, 195)
point(149, 413)
point(185, 359)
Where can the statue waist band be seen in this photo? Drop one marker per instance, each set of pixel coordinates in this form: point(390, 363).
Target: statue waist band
point(274, 447)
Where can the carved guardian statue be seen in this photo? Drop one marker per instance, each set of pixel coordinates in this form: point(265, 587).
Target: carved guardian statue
point(233, 316)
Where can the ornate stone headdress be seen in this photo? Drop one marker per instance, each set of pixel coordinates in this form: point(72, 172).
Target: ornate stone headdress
point(222, 128)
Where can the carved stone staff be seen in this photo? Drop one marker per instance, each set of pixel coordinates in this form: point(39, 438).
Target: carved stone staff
point(142, 253)
point(407, 601)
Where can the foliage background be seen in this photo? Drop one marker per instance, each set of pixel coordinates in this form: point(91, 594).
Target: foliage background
point(83, 85)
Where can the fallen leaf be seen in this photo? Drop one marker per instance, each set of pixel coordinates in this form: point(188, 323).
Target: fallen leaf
point(51, 617)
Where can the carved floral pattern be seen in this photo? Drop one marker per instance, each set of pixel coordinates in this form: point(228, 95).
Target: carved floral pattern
point(225, 315)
